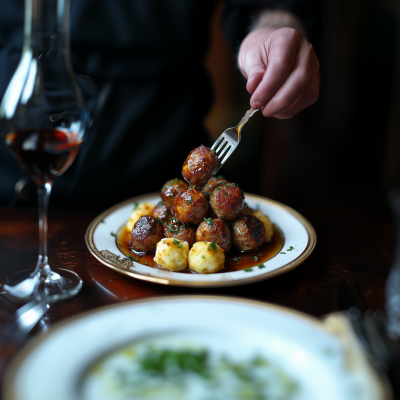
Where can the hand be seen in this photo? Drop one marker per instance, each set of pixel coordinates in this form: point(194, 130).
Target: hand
point(282, 71)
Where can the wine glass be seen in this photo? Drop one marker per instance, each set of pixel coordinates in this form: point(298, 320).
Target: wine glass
point(43, 120)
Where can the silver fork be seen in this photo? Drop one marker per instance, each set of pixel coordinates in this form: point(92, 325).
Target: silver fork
point(225, 145)
point(26, 317)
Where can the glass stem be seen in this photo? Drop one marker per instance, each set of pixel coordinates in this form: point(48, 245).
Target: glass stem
point(43, 190)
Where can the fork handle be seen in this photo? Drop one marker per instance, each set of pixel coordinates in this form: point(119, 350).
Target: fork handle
point(246, 117)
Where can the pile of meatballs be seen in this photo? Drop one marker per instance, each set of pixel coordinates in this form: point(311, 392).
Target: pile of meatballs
point(197, 221)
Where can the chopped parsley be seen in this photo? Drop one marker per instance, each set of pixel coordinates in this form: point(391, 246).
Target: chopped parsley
point(203, 257)
point(172, 228)
point(204, 270)
point(209, 221)
point(214, 151)
point(135, 206)
point(158, 219)
point(145, 263)
point(177, 242)
point(290, 248)
point(190, 200)
point(212, 246)
point(226, 194)
point(261, 266)
point(133, 258)
point(169, 183)
point(248, 269)
point(235, 259)
point(255, 257)
point(102, 221)
point(283, 252)
point(261, 255)
point(161, 362)
point(112, 234)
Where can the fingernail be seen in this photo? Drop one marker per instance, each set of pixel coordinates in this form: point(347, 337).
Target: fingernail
point(256, 105)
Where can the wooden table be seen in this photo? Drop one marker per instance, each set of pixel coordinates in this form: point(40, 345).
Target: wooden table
point(356, 243)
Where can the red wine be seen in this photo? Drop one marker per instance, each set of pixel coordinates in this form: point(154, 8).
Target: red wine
point(44, 153)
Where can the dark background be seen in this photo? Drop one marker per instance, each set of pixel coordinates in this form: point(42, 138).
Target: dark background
point(345, 148)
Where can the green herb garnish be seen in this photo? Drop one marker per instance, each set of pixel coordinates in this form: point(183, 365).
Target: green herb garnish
point(161, 362)
point(255, 257)
point(290, 248)
point(212, 246)
point(209, 221)
point(177, 242)
point(282, 252)
point(135, 206)
point(261, 266)
point(112, 234)
point(248, 269)
point(102, 221)
point(190, 200)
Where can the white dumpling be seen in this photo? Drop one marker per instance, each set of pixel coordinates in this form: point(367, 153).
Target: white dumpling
point(139, 210)
point(172, 254)
point(206, 258)
point(269, 231)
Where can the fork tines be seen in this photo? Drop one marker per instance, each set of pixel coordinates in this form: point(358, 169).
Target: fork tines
point(224, 147)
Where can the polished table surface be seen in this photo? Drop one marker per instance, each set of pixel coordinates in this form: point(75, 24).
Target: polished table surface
point(352, 242)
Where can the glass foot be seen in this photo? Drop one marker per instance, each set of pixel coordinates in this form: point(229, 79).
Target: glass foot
point(49, 285)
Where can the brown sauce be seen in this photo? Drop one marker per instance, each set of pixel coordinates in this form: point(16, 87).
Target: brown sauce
point(234, 261)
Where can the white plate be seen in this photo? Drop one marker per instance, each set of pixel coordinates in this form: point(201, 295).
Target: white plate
point(297, 232)
point(52, 365)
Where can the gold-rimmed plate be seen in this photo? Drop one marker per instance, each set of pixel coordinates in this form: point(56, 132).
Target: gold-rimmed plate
point(63, 363)
point(299, 240)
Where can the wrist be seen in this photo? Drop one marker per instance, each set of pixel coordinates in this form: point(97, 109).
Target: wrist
point(276, 19)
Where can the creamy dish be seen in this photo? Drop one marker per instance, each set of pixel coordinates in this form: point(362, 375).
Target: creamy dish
point(160, 369)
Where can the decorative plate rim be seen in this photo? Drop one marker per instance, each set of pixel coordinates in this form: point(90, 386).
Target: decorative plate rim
point(11, 373)
point(311, 243)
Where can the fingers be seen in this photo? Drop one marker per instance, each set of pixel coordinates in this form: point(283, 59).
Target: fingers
point(305, 99)
point(280, 59)
point(301, 87)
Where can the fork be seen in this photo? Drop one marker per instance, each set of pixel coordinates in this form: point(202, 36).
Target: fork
point(26, 317)
point(225, 145)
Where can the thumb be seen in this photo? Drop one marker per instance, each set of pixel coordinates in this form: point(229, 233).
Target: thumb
point(255, 74)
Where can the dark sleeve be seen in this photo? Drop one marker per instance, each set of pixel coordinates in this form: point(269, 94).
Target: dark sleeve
point(238, 15)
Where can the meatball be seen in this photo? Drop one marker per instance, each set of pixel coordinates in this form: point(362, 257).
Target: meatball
point(146, 233)
point(171, 189)
point(200, 165)
point(212, 182)
point(248, 233)
point(215, 230)
point(177, 230)
point(246, 210)
point(190, 206)
point(226, 200)
point(162, 212)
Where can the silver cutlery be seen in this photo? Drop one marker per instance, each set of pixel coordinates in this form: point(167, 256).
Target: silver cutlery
point(227, 142)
